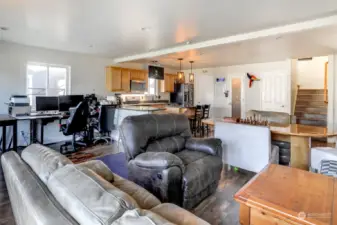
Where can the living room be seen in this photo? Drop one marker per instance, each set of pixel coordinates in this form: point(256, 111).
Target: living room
point(180, 113)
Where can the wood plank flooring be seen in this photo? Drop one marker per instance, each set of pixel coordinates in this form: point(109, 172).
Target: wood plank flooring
point(218, 209)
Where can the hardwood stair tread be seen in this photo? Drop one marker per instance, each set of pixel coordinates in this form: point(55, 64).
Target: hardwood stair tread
point(311, 113)
point(311, 119)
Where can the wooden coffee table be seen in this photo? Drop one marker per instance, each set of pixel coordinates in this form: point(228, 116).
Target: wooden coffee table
point(284, 195)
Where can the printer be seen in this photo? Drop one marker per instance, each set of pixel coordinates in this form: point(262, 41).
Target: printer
point(19, 105)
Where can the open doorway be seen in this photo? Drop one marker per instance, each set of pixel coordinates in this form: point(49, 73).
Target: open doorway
point(311, 105)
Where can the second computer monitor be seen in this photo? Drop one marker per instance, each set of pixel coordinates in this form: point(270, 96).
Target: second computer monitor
point(69, 101)
point(46, 103)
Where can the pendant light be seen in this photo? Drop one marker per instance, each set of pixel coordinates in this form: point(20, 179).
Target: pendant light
point(191, 75)
point(181, 76)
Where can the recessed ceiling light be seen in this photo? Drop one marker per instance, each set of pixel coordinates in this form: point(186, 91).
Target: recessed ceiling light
point(4, 28)
point(145, 28)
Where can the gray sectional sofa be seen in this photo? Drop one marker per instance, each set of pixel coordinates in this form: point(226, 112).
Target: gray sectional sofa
point(47, 188)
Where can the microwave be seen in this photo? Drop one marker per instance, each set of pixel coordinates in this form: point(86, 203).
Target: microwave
point(138, 86)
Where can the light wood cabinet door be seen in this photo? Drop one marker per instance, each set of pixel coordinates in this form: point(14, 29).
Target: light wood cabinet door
point(169, 80)
point(126, 80)
point(134, 75)
point(113, 79)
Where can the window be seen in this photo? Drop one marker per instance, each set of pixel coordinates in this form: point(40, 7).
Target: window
point(47, 80)
point(153, 86)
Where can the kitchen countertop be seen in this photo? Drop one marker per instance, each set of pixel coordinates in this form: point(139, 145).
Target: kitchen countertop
point(141, 108)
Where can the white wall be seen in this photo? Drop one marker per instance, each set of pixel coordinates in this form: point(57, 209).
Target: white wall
point(87, 75)
point(252, 96)
point(310, 73)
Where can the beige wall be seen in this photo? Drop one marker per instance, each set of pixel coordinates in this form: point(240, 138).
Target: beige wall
point(310, 73)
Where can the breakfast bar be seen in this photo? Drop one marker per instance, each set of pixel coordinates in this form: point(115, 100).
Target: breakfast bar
point(299, 136)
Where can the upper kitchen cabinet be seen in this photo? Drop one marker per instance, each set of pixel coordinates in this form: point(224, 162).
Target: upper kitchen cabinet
point(138, 75)
point(117, 79)
point(167, 85)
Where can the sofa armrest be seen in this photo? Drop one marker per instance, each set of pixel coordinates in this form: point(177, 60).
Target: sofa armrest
point(100, 168)
point(210, 146)
point(159, 160)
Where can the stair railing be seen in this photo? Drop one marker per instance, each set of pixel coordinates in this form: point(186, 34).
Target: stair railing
point(295, 99)
point(326, 83)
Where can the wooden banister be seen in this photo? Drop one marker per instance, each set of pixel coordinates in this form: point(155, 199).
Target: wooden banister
point(326, 83)
point(295, 99)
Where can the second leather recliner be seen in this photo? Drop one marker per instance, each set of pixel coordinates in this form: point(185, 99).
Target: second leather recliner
point(165, 159)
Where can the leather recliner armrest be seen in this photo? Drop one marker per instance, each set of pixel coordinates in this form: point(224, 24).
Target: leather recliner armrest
point(159, 160)
point(210, 146)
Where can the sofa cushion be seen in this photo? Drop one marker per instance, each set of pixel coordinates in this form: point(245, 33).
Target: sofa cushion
point(31, 201)
point(169, 144)
point(43, 160)
point(188, 156)
point(144, 199)
point(201, 173)
point(177, 215)
point(141, 217)
point(88, 197)
point(100, 168)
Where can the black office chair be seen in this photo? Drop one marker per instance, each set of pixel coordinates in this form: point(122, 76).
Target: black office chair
point(77, 125)
point(105, 123)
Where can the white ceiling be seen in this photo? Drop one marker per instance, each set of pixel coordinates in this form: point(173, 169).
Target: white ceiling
point(113, 27)
point(317, 42)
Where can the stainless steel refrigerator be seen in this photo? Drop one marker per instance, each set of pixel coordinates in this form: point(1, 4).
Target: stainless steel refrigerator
point(183, 95)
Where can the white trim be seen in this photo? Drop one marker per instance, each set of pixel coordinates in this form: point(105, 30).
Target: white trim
point(286, 29)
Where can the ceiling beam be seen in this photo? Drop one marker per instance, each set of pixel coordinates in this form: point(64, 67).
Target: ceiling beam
point(280, 30)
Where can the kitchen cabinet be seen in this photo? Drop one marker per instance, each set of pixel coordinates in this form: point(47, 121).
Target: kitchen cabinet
point(118, 79)
point(167, 85)
point(126, 80)
point(113, 78)
point(138, 74)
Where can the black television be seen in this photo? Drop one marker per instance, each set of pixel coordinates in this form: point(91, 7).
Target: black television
point(156, 72)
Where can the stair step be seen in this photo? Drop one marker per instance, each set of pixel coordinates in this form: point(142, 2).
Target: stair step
point(310, 91)
point(314, 110)
point(303, 102)
point(320, 123)
point(311, 97)
point(311, 116)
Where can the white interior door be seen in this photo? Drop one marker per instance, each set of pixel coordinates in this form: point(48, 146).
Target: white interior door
point(237, 97)
point(275, 92)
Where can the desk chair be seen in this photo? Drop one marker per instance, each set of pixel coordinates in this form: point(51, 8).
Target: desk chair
point(77, 124)
point(105, 123)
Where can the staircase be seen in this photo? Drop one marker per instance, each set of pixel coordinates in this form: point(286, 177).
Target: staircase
point(310, 107)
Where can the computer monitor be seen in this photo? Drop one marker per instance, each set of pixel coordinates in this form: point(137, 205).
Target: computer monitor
point(68, 101)
point(46, 103)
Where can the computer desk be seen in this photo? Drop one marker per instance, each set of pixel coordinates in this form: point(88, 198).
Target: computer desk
point(44, 119)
